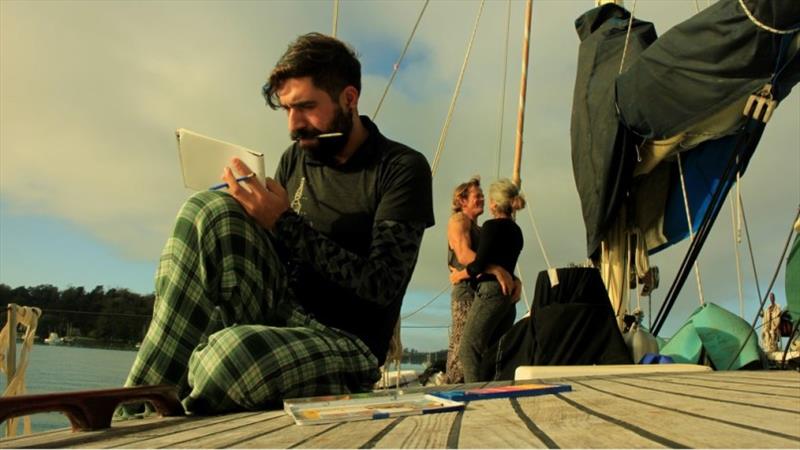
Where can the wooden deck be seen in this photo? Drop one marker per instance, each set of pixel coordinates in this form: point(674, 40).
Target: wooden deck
point(759, 409)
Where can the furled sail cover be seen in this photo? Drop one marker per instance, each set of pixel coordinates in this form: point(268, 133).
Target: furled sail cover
point(686, 90)
point(704, 64)
point(601, 160)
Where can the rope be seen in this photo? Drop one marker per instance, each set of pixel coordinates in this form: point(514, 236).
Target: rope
point(736, 243)
point(524, 294)
point(29, 318)
point(536, 231)
point(769, 289)
point(696, 6)
point(443, 136)
point(763, 26)
point(335, 17)
point(627, 37)
point(426, 304)
point(396, 66)
point(503, 90)
point(750, 246)
point(691, 231)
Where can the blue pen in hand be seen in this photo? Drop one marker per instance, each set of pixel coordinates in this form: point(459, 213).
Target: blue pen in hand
point(217, 187)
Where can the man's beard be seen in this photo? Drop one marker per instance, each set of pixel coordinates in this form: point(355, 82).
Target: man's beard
point(326, 149)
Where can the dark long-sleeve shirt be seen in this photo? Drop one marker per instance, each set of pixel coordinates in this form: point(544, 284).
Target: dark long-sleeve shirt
point(500, 243)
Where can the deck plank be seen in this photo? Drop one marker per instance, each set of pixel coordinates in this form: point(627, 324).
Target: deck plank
point(508, 429)
point(426, 431)
point(289, 437)
point(723, 392)
point(349, 434)
point(67, 438)
point(691, 421)
point(715, 409)
point(206, 430)
point(260, 425)
point(572, 426)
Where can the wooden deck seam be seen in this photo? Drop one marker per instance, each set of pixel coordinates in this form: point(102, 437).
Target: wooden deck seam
point(667, 408)
point(195, 438)
point(532, 427)
point(200, 424)
point(303, 441)
point(748, 383)
point(720, 388)
point(701, 397)
point(621, 423)
point(455, 429)
point(725, 375)
point(250, 438)
point(380, 435)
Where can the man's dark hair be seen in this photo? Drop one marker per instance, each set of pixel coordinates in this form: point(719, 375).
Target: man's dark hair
point(331, 64)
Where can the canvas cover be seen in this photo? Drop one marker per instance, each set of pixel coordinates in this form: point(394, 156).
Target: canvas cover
point(601, 151)
point(704, 64)
point(685, 90)
point(572, 324)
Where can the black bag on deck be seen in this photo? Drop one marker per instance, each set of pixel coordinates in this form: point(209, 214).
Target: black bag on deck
point(571, 324)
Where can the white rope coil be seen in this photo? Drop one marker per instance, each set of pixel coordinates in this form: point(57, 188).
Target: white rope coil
point(763, 26)
point(28, 317)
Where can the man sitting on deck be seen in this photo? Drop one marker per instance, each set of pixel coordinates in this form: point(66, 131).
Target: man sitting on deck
point(259, 299)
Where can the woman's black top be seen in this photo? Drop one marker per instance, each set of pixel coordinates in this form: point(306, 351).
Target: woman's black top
point(500, 243)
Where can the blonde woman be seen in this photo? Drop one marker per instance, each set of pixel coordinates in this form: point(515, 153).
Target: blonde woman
point(492, 312)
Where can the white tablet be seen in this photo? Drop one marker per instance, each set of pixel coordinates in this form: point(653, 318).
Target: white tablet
point(203, 159)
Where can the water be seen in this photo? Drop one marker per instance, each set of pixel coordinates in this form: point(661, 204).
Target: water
point(54, 368)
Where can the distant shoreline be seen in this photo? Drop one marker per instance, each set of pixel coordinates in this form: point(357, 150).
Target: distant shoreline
point(95, 345)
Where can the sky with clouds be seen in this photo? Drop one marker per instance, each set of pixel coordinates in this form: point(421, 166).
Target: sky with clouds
point(91, 93)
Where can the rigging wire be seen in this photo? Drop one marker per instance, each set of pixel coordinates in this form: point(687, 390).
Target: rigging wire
point(691, 230)
point(769, 289)
point(443, 136)
point(536, 231)
point(426, 304)
point(522, 283)
point(503, 91)
point(749, 246)
point(396, 66)
point(736, 242)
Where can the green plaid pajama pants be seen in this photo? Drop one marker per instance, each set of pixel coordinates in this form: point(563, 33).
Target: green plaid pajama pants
point(225, 329)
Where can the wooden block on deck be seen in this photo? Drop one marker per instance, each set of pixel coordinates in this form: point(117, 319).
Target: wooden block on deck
point(542, 372)
point(92, 409)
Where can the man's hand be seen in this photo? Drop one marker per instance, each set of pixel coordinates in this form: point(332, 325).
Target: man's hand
point(503, 277)
point(265, 203)
point(456, 276)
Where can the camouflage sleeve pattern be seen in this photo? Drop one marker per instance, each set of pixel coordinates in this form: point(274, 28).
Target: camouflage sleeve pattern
point(378, 277)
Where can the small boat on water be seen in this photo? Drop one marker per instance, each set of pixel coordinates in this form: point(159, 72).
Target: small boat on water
point(54, 339)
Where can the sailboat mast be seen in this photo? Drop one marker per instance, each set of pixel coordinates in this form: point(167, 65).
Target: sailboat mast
point(523, 87)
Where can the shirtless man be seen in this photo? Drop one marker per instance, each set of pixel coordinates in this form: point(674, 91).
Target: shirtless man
point(462, 241)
